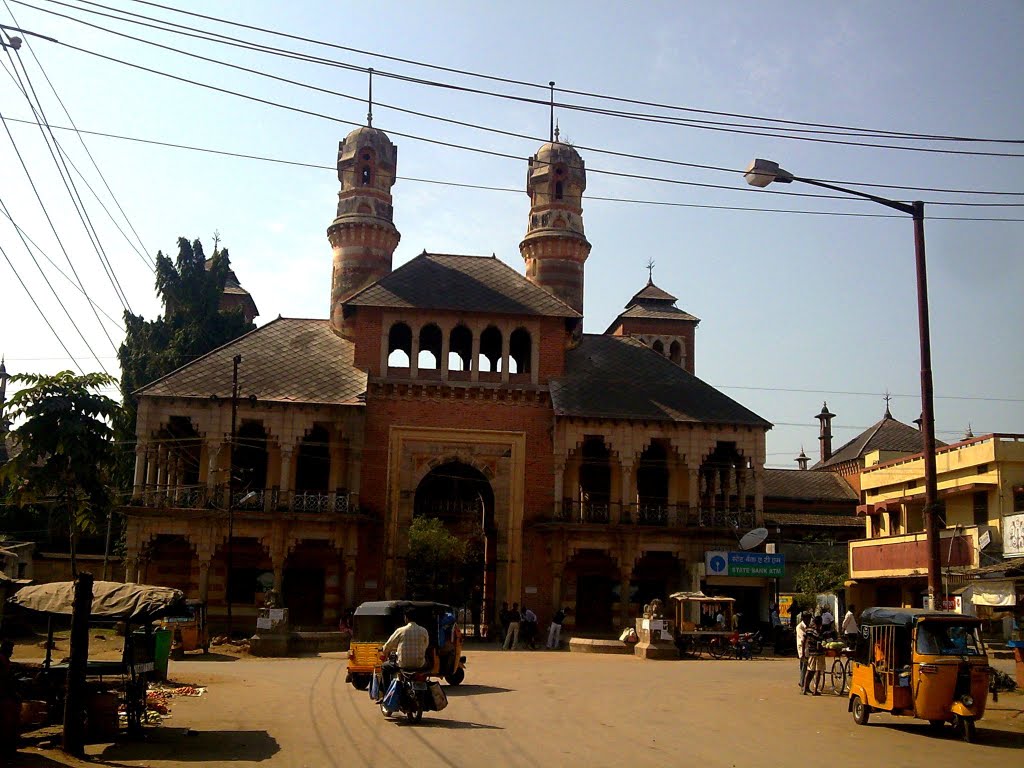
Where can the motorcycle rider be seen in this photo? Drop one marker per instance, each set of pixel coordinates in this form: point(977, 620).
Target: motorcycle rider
point(410, 643)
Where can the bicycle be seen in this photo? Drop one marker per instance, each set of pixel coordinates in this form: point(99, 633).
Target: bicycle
point(840, 674)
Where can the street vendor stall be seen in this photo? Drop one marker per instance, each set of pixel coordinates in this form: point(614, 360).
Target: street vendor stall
point(697, 627)
point(109, 683)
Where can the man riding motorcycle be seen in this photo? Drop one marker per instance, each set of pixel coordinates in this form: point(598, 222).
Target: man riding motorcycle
point(409, 642)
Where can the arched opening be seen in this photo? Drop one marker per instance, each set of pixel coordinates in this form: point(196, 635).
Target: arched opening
point(658, 347)
point(460, 496)
point(366, 170)
point(652, 477)
point(726, 497)
point(252, 574)
point(399, 346)
point(591, 589)
point(186, 448)
point(558, 190)
point(169, 563)
point(490, 350)
point(656, 575)
point(304, 581)
point(249, 463)
point(520, 351)
point(313, 471)
point(430, 347)
point(595, 489)
point(460, 348)
point(675, 353)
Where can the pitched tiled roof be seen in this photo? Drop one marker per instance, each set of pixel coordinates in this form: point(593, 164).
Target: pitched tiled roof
point(806, 486)
point(617, 377)
point(886, 435)
point(663, 312)
point(460, 284)
point(813, 519)
point(287, 360)
point(651, 292)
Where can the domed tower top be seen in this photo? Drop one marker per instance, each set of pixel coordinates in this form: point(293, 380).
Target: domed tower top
point(363, 235)
point(555, 247)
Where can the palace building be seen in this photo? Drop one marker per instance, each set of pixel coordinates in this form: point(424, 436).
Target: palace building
point(588, 470)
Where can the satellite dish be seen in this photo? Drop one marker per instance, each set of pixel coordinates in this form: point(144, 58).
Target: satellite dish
point(753, 538)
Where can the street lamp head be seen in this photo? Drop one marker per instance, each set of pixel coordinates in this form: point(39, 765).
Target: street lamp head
point(761, 173)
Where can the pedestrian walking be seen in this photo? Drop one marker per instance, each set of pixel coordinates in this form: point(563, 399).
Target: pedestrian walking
point(850, 628)
point(801, 628)
point(815, 656)
point(512, 633)
point(502, 623)
point(555, 630)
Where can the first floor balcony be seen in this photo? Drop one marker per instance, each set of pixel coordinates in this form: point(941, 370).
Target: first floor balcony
point(339, 502)
point(653, 514)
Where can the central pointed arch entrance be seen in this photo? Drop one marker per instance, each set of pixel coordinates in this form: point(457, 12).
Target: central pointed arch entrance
point(460, 496)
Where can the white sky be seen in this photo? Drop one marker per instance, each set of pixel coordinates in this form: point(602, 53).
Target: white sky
point(795, 309)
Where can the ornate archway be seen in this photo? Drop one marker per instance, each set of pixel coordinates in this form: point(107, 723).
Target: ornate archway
point(460, 496)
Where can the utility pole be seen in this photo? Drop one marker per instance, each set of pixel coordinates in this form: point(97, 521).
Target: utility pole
point(73, 741)
point(231, 482)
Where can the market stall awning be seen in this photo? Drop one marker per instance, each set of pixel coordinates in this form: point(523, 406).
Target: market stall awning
point(110, 600)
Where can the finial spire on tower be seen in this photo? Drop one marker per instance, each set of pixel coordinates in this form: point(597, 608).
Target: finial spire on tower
point(650, 271)
point(551, 134)
point(369, 101)
point(888, 397)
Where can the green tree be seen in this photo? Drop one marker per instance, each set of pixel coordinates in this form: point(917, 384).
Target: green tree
point(192, 325)
point(66, 448)
point(818, 577)
point(436, 557)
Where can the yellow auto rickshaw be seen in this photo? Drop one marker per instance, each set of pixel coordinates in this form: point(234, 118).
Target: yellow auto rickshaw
point(930, 665)
point(373, 623)
point(189, 631)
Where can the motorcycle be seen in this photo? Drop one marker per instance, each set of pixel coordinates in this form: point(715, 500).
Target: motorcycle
point(412, 694)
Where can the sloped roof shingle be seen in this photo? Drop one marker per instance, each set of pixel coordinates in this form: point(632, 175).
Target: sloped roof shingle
point(460, 284)
point(886, 435)
point(287, 360)
point(798, 484)
point(617, 377)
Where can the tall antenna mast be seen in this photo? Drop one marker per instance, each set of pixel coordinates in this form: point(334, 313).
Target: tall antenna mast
point(369, 113)
point(551, 130)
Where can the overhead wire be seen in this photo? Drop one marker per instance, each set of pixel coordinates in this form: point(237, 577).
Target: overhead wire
point(523, 83)
point(144, 253)
point(257, 47)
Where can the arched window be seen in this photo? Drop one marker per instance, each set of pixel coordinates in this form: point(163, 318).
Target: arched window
point(652, 477)
point(658, 347)
point(366, 172)
point(675, 353)
point(367, 176)
point(313, 465)
point(430, 347)
point(595, 480)
point(558, 190)
point(399, 346)
point(490, 350)
point(249, 459)
point(520, 349)
point(460, 348)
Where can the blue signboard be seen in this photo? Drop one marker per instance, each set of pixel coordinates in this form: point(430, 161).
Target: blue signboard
point(760, 564)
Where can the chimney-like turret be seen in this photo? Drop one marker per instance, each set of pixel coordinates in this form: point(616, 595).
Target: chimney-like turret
point(825, 432)
point(802, 459)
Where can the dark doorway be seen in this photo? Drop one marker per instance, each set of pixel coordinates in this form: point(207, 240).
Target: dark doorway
point(596, 586)
point(302, 590)
point(460, 496)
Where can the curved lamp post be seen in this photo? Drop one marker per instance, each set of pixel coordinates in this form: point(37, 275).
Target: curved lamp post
point(761, 173)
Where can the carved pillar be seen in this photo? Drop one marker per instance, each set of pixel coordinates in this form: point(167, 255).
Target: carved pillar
point(504, 355)
point(204, 580)
point(213, 450)
point(140, 471)
point(627, 494)
point(625, 584)
point(445, 352)
point(741, 488)
point(286, 471)
point(758, 493)
point(693, 490)
point(559, 468)
point(350, 579)
point(474, 362)
point(414, 356)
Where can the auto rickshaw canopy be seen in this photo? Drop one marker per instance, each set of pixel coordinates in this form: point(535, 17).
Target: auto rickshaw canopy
point(906, 618)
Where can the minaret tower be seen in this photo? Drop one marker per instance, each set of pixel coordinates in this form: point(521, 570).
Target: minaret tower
point(555, 246)
point(363, 235)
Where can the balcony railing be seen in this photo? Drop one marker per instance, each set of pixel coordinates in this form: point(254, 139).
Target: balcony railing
point(648, 514)
point(262, 500)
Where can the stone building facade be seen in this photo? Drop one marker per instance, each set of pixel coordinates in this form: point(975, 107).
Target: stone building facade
point(593, 469)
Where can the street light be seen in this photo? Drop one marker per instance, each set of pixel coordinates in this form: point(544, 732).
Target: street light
point(761, 173)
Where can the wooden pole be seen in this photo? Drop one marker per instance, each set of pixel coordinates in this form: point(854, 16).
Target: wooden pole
point(74, 700)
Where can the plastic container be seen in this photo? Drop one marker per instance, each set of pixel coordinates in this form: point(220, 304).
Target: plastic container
point(161, 652)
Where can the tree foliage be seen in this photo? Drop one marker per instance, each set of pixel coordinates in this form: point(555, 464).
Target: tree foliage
point(818, 577)
point(66, 448)
point(192, 323)
point(436, 557)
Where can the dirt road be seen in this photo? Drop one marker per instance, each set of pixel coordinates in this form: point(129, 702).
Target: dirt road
point(532, 709)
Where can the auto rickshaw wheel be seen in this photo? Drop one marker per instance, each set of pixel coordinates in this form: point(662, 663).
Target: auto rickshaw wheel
point(361, 682)
point(861, 711)
point(456, 677)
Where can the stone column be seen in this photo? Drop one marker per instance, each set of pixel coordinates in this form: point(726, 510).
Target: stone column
point(204, 580)
point(414, 356)
point(627, 494)
point(474, 363)
point(442, 364)
point(559, 468)
point(625, 579)
point(758, 493)
point(139, 483)
point(286, 473)
point(693, 491)
point(212, 465)
point(505, 355)
point(131, 568)
point(350, 580)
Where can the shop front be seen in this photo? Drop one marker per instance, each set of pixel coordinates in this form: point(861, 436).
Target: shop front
point(747, 577)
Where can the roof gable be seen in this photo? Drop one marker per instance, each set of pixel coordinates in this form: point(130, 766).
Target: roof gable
point(460, 284)
point(287, 360)
point(617, 377)
point(886, 435)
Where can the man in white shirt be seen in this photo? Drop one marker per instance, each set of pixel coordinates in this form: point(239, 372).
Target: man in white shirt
point(850, 628)
point(801, 628)
point(409, 642)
